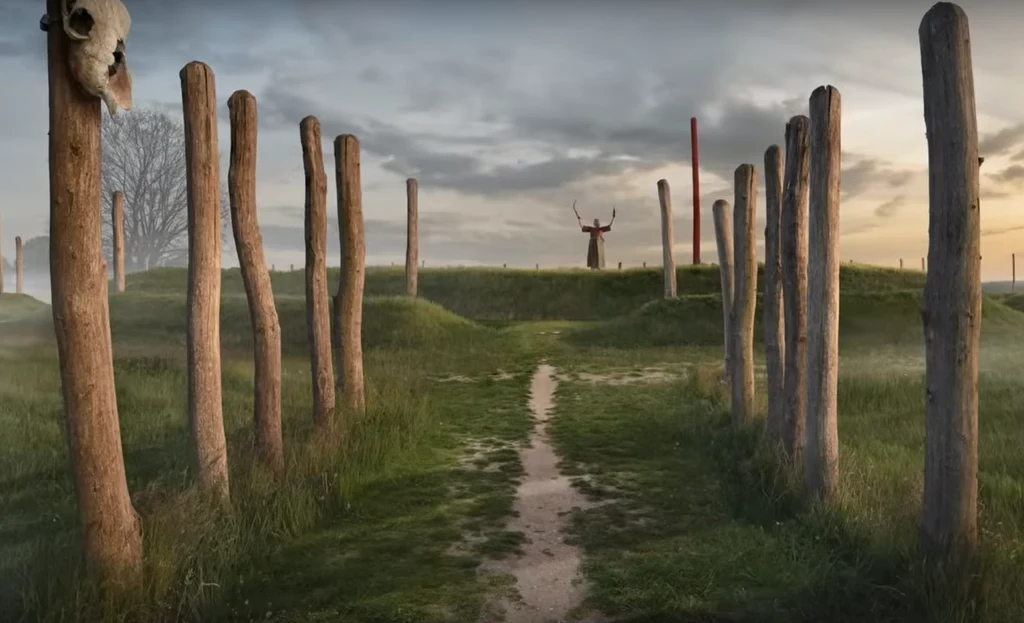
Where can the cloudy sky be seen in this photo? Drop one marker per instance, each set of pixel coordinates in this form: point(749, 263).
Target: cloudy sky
point(507, 112)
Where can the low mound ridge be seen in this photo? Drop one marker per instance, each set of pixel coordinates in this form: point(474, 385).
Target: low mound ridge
point(496, 294)
point(864, 318)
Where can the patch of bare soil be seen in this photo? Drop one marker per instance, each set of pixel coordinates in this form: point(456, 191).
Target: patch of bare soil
point(547, 572)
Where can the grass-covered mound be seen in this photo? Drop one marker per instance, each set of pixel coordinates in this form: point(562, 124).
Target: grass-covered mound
point(890, 318)
point(514, 294)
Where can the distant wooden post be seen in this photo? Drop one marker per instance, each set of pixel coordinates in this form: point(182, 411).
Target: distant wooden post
point(350, 318)
point(318, 306)
point(620, 265)
point(412, 237)
point(952, 295)
point(111, 534)
point(266, 327)
point(668, 260)
point(723, 236)
point(696, 190)
point(504, 265)
point(202, 169)
point(645, 264)
point(794, 282)
point(774, 309)
point(1, 263)
point(901, 263)
point(291, 268)
point(822, 438)
point(745, 297)
point(923, 269)
point(538, 266)
point(117, 220)
point(1013, 276)
point(19, 262)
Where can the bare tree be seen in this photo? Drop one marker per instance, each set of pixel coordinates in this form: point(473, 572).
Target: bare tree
point(144, 158)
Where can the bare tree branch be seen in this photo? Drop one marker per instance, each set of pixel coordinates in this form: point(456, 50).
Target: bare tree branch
point(144, 157)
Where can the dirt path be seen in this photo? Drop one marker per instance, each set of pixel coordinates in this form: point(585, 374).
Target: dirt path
point(548, 572)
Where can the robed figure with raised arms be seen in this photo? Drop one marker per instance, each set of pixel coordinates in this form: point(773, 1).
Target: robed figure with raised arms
point(595, 250)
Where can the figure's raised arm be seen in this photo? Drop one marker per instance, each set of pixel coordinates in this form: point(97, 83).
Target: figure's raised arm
point(608, 227)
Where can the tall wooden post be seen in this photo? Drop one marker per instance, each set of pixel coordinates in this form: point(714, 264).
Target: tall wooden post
point(412, 237)
point(318, 307)
point(668, 260)
point(19, 262)
point(952, 294)
point(117, 222)
point(350, 318)
point(111, 530)
point(266, 327)
point(794, 284)
point(821, 456)
point(696, 190)
point(745, 297)
point(774, 310)
point(720, 210)
point(202, 343)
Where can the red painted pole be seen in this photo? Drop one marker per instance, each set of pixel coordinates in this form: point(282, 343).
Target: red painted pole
point(696, 191)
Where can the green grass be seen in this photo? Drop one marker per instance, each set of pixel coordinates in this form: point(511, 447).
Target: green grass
point(389, 521)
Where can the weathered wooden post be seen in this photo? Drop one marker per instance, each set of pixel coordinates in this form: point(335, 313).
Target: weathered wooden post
point(202, 169)
point(117, 240)
point(110, 528)
point(952, 295)
point(412, 237)
point(620, 265)
point(1, 263)
point(318, 320)
point(266, 327)
point(668, 260)
point(794, 284)
point(1013, 274)
point(696, 190)
point(645, 264)
point(923, 269)
point(723, 237)
point(822, 439)
point(774, 333)
point(745, 294)
point(350, 316)
point(901, 263)
point(19, 263)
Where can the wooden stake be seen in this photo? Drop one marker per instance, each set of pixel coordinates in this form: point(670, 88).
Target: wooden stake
point(745, 297)
point(350, 216)
point(110, 528)
point(774, 310)
point(668, 261)
point(318, 306)
point(794, 284)
point(952, 295)
point(720, 210)
point(202, 169)
point(117, 220)
point(412, 237)
point(266, 328)
point(822, 437)
point(19, 263)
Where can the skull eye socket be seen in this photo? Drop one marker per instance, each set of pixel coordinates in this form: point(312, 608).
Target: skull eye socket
point(118, 59)
point(81, 21)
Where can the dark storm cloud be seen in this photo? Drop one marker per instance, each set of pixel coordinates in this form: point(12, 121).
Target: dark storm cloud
point(890, 207)
point(1002, 142)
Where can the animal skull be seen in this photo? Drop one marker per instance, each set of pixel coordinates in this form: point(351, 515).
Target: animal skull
point(97, 30)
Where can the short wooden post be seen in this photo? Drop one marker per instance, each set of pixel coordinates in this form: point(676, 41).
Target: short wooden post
point(952, 295)
point(350, 325)
point(291, 268)
point(117, 243)
point(774, 310)
point(720, 210)
point(318, 319)
point(620, 265)
point(1, 263)
point(266, 327)
point(645, 264)
point(202, 344)
point(822, 438)
point(668, 261)
point(923, 269)
point(794, 284)
point(412, 236)
point(19, 262)
point(1013, 274)
point(111, 534)
point(745, 297)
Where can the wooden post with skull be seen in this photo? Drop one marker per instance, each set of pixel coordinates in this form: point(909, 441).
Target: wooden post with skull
point(86, 61)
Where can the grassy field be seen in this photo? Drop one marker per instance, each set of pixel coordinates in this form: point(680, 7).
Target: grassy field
point(391, 522)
